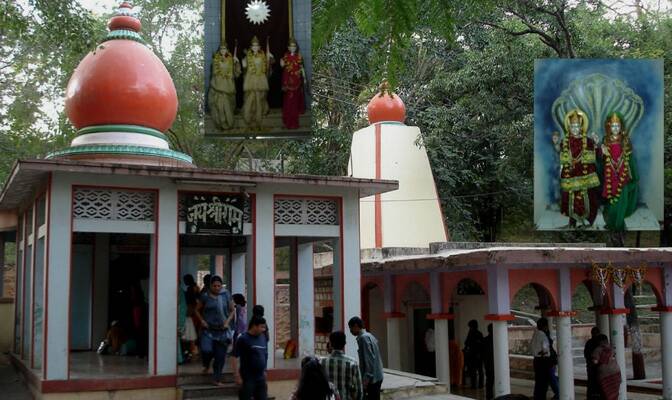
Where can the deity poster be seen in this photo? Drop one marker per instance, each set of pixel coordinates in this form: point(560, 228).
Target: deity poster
point(257, 68)
point(598, 144)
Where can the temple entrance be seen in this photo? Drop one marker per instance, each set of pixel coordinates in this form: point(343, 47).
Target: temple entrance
point(109, 312)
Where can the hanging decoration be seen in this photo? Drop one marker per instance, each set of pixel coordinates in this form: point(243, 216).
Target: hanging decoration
point(601, 276)
point(637, 274)
point(619, 276)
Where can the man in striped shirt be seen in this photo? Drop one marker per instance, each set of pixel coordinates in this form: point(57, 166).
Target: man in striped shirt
point(342, 370)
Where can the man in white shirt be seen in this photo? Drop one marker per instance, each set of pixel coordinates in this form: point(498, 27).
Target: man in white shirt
point(541, 351)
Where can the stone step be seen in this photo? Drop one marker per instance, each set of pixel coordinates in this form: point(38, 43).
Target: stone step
point(198, 391)
point(201, 379)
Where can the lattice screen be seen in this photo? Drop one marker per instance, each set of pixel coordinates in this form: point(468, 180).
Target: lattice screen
point(111, 204)
point(306, 212)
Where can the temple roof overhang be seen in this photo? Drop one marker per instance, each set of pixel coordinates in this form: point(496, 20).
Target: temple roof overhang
point(516, 257)
point(27, 177)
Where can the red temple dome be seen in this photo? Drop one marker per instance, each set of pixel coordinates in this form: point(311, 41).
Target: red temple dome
point(121, 82)
point(386, 106)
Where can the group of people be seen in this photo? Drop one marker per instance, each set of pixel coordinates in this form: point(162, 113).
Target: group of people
point(218, 321)
point(256, 65)
point(603, 372)
point(340, 377)
point(479, 356)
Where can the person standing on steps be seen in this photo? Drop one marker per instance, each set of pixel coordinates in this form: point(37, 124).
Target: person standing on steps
point(370, 362)
point(250, 357)
point(217, 312)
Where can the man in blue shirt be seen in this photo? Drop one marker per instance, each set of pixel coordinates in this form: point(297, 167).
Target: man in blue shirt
point(252, 351)
point(370, 362)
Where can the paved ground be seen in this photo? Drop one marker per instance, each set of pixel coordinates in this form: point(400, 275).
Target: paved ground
point(10, 385)
point(522, 386)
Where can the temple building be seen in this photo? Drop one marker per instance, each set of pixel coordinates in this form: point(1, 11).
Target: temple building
point(414, 279)
point(116, 219)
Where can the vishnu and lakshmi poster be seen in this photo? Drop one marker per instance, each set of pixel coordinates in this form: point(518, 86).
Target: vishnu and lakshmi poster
point(598, 144)
point(257, 67)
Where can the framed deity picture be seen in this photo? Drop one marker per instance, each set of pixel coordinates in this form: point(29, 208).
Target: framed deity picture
point(257, 68)
point(598, 144)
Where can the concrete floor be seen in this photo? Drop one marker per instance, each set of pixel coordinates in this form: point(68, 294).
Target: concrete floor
point(522, 386)
point(11, 386)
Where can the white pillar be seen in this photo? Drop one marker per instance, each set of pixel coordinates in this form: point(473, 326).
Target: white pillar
point(666, 341)
point(264, 264)
point(393, 343)
point(500, 333)
point(500, 310)
point(565, 364)
point(58, 279)
point(618, 344)
point(350, 260)
point(166, 283)
point(440, 330)
point(306, 299)
point(602, 322)
point(442, 352)
point(238, 273)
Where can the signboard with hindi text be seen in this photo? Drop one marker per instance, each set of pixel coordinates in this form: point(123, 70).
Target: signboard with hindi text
point(214, 214)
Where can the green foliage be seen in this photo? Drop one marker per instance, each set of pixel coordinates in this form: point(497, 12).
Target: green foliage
point(390, 24)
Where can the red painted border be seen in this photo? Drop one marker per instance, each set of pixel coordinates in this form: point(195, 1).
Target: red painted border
point(341, 260)
point(93, 291)
point(32, 290)
point(45, 321)
point(156, 277)
point(662, 309)
point(392, 315)
point(283, 374)
point(560, 313)
point(74, 187)
point(615, 311)
point(499, 317)
point(447, 316)
point(378, 208)
point(339, 206)
point(23, 284)
point(85, 385)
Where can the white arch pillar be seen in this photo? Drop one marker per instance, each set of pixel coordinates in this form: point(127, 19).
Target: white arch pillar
point(440, 318)
point(306, 299)
point(500, 314)
point(666, 332)
point(392, 320)
point(564, 335)
point(616, 322)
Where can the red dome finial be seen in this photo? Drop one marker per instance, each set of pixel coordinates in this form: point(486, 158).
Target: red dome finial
point(121, 82)
point(125, 19)
point(386, 106)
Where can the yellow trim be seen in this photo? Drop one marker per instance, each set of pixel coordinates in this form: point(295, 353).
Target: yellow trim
point(222, 27)
point(580, 182)
point(291, 21)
